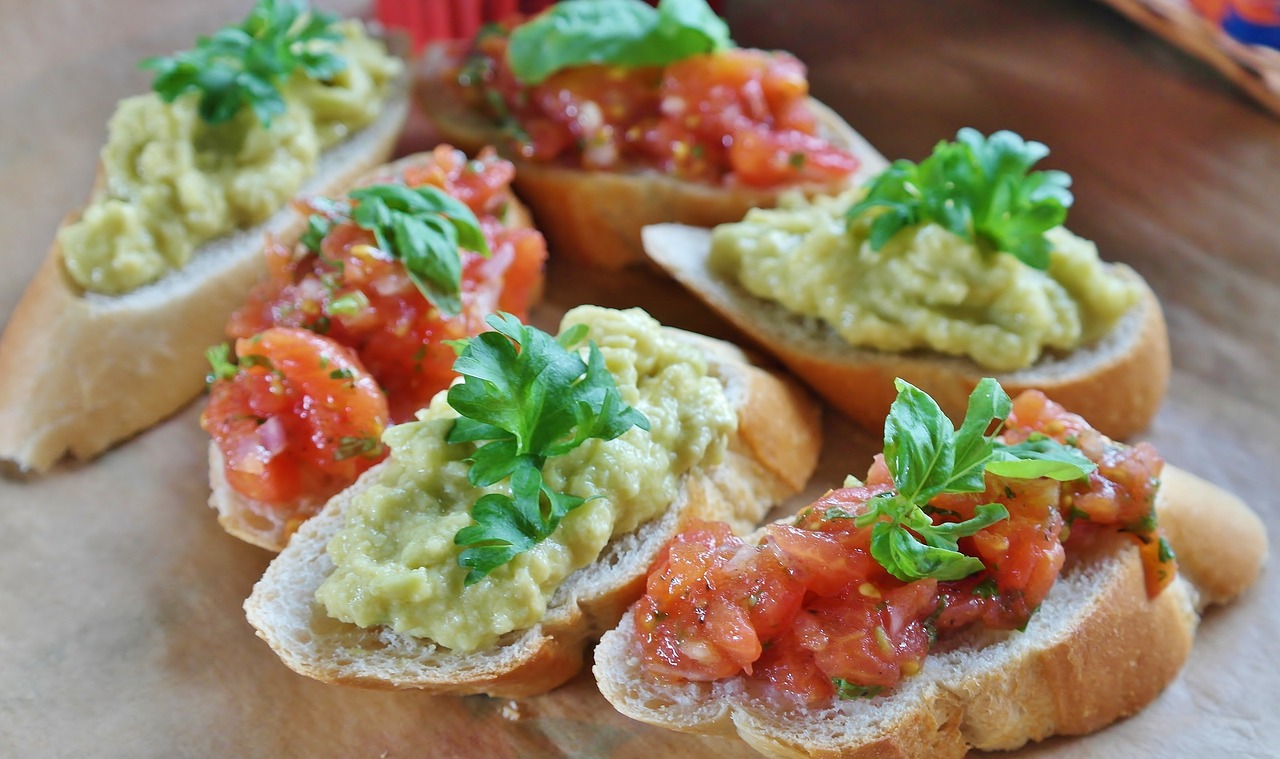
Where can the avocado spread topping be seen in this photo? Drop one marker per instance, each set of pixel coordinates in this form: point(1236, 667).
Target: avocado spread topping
point(172, 181)
point(396, 560)
point(925, 287)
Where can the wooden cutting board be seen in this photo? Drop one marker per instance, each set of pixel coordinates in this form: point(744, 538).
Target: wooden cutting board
point(121, 632)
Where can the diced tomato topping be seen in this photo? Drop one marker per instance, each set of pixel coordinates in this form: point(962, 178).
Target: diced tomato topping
point(359, 296)
point(299, 420)
point(737, 116)
point(810, 613)
point(869, 638)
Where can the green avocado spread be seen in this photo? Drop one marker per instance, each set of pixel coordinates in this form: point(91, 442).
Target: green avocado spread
point(395, 562)
point(173, 182)
point(926, 288)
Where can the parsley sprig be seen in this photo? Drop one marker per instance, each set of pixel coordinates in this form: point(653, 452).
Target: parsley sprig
point(980, 188)
point(531, 398)
point(422, 226)
point(246, 64)
point(926, 458)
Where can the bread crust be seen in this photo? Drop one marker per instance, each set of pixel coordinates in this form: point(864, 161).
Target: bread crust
point(82, 371)
point(1099, 649)
point(595, 217)
point(740, 489)
point(269, 526)
point(1116, 383)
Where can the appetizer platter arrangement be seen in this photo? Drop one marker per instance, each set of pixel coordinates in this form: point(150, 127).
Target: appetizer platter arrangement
point(591, 386)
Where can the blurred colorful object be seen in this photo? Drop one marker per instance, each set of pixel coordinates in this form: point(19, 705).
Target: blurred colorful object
point(1240, 38)
point(1254, 22)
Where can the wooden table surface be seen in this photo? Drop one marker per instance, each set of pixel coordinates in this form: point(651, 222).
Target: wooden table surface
point(121, 632)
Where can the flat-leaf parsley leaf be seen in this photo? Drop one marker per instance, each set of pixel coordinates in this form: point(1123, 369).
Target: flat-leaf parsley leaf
point(245, 64)
point(980, 188)
point(531, 398)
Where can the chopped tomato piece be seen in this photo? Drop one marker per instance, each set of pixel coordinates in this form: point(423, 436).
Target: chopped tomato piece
point(823, 619)
point(299, 420)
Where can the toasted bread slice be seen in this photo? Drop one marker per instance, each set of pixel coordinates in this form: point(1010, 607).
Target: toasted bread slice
point(770, 457)
point(81, 371)
point(595, 217)
point(1116, 383)
point(1098, 649)
point(270, 525)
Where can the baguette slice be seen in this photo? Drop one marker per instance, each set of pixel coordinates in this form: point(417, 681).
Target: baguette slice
point(1097, 650)
point(1116, 383)
point(81, 371)
point(769, 458)
point(595, 217)
point(270, 526)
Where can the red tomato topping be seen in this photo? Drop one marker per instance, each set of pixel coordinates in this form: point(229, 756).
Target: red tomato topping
point(299, 420)
point(811, 614)
point(360, 297)
point(739, 116)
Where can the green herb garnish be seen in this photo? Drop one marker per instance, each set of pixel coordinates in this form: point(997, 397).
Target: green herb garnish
point(422, 226)
point(246, 64)
point(626, 33)
point(531, 398)
point(319, 223)
point(222, 368)
point(850, 691)
point(926, 458)
point(980, 188)
point(987, 588)
point(349, 305)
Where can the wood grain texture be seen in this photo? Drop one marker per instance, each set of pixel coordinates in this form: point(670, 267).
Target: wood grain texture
point(121, 632)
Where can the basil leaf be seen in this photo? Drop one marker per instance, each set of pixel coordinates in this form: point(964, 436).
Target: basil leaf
point(424, 227)
point(987, 403)
point(908, 559)
point(615, 32)
point(944, 535)
point(918, 444)
point(689, 27)
point(457, 213)
point(1040, 456)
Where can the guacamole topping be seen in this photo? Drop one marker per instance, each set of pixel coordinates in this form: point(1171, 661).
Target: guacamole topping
point(173, 182)
point(395, 562)
point(926, 288)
